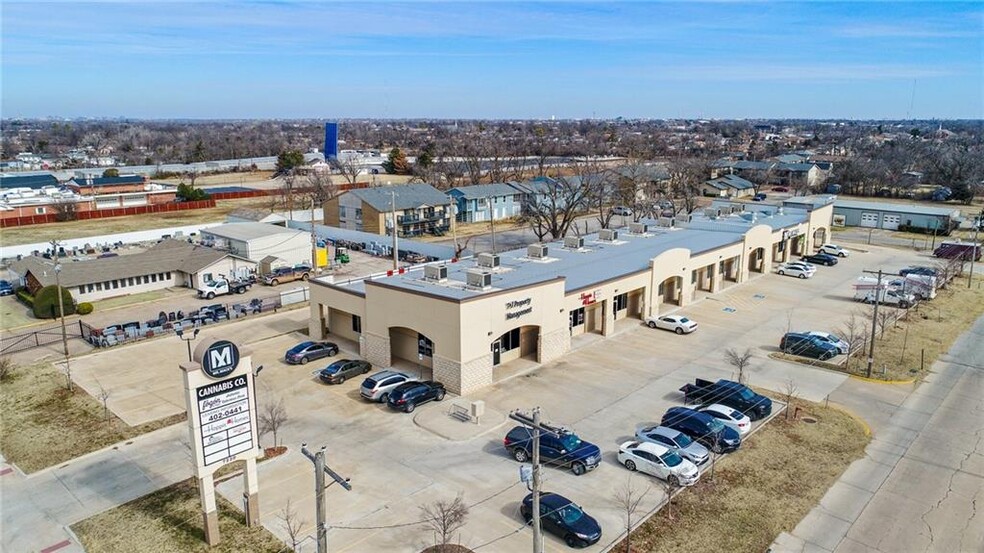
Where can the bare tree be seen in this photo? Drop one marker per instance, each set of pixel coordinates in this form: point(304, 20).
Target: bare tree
point(66, 209)
point(555, 204)
point(461, 245)
point(348, 167)
point(686, 176)
point(789, 391)
point(628, 499)
point(739, 361)
point(271, 418)
point(6, 367)
point(854, 332)
point(292, 524)
point(104, 398)
point(445, 518)
point(321, 187)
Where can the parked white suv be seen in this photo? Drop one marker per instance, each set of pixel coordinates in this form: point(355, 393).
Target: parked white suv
point(378, 385)
point(833, 249)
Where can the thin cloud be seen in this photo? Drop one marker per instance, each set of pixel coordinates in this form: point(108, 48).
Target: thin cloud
point(878, 30)
point(797, 73)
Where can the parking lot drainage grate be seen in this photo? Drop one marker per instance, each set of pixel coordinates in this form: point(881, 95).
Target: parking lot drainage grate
point(729, 310)
point(759, 296)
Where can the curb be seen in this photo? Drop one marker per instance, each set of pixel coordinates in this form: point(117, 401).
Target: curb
point(878, 381)
point(864, 424)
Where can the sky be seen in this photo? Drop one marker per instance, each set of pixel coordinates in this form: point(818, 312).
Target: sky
point(506, 59)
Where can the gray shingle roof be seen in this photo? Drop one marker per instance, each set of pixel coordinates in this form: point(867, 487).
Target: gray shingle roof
point(730, 181)
point(169, 255)
point(477, 191)
point(408, 196)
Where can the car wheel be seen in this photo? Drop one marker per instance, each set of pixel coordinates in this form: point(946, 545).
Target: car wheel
point(652, 324)
point(304, 360)
point(673, 480)
point(678, 330)
point(527, 517)
point(570, 540)
point(304, 276)
point(440, 396)
point(341, 379)
point(409, 408)
point(842, 254)
point(578, 468)
point(274, 282)
point(384, 398)
point(630, 464)
point(520, 455)
point(332, 352)
point(781, 273)
point(802, 275)
point(241, 291)
point(209, 295)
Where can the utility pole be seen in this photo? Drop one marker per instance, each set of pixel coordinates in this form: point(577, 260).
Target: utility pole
point(314, 241)
point(396, 245)
point(55, 245)
point(492, 222)
point(535, 426)
point(976, 250)
point(874, 322)
point(320, 470)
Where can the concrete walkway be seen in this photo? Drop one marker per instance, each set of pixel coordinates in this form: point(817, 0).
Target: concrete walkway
point(920, 486)
point(38, 508)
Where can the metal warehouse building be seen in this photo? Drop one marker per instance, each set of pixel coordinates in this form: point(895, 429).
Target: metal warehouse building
point(849, 213)
point(475, 321)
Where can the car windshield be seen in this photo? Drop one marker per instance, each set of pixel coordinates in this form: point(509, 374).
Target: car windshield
point(684, 320)
point(335, 367)
point(570, 441)
point(682, 440)
point(570, 513)
point(300, 347)
point(833, 338)
point(671, 458)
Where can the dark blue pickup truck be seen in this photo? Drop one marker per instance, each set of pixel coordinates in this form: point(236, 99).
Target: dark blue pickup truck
point(565, 449)
point(730, 393)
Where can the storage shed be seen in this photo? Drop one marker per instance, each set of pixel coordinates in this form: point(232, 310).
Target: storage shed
point(896, 216)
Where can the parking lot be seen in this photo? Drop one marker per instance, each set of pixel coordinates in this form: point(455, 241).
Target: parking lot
point(603, 390)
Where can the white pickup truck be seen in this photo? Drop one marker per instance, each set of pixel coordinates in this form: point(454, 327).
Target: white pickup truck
point(885, 295)
point(223, 287)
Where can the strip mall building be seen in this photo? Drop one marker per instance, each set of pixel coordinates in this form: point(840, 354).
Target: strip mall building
point(468, 320)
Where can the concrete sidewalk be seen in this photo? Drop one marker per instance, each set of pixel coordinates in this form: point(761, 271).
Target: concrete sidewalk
point(38, 508)
point(922, 478)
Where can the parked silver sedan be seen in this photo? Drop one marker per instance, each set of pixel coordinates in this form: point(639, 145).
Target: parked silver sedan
point(675, 440)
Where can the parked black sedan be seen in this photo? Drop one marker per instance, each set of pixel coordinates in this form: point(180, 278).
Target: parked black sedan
point(337, 372)
point(821, 259)
point(407, 396)
point(308, 351)
point(563, 518)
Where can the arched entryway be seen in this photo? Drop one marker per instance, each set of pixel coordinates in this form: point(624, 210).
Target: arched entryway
point(670, 291)
point(519, 343)
point(756, 260)
point(819, 237)
point(410, 345)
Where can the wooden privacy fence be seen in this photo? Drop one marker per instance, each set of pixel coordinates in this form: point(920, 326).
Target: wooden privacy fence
point(109, 212)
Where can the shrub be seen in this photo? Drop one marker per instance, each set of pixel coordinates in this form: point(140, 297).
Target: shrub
point(46, 302)
point(25, 297)
point(84, 308)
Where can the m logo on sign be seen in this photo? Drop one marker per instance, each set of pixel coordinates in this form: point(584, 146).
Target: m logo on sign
point(220, 359)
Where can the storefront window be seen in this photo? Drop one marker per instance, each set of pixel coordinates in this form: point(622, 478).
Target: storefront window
point(510, 340)
point(621, 302)
point(576, 317)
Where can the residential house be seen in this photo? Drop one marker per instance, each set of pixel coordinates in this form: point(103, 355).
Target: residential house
point(728, 186)
point(420, 209)
point(109, 185)
point(484, 202)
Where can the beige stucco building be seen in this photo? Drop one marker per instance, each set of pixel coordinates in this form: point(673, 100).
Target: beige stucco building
point(467, 320)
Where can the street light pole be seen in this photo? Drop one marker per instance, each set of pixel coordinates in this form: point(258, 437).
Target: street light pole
point(191, 339)
point(320, 470)
point(976, 249)
point(61, 311)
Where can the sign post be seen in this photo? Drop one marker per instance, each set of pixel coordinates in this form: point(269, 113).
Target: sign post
point(219, 395)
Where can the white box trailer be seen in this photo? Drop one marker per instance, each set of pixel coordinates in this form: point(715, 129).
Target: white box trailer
point(868, 290)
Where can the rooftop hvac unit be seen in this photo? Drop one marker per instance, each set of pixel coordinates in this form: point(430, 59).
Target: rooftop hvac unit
point(737, 208)
point(573, 242)
point(479, 279)
point(667, 222)
point(712, 213)
point(537, 251)
point(608, 235)
point(638, 228)
point(489, 260)
point(437, 273)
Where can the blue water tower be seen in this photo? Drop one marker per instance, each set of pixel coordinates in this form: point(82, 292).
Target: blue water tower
point(331, 140)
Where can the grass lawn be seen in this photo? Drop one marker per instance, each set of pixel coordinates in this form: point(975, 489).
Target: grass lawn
point(170, 520)
point(44, 424)
point(31, 234)
point(14, 314)
point(765, 488)
point(153, 295)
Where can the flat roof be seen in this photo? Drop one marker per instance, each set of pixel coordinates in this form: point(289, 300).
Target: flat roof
point(597, 262)
point(248, 230)
point(897, 208)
